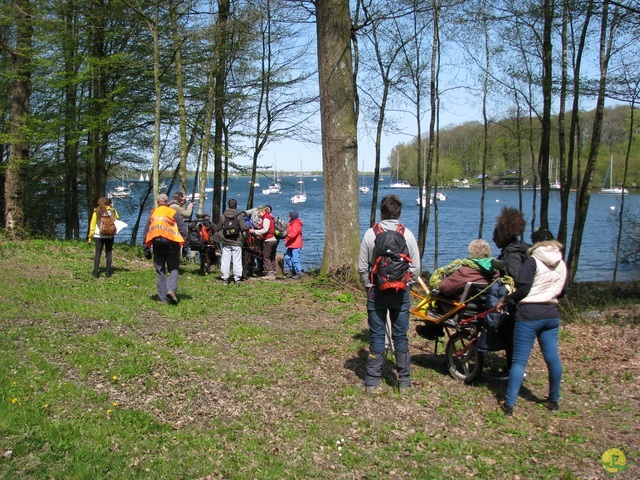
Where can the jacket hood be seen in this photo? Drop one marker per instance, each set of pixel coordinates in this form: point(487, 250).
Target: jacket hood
point(517, 246)
point(232, 213)
point(484, 264)
point(548, 252)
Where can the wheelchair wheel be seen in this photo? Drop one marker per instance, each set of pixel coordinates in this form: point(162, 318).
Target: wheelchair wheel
point(205, 265)
point(464, 361)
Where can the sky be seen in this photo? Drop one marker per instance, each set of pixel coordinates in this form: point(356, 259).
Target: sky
point(288, 154)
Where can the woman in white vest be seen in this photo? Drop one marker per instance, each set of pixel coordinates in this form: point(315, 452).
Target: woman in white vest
point(541, 281)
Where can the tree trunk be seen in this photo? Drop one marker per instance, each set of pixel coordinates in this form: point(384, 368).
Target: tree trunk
point(70, 139)
point(572, 155)
point(17, 164)
point(182, 116)
point(219, 106)
point(339, 140)
point(545, 140)
point(584, 192)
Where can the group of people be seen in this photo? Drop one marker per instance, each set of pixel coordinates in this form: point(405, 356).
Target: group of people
point(166, 232)
point(529, 311)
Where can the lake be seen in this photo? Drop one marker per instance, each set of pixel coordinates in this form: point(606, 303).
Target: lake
point(458, 220)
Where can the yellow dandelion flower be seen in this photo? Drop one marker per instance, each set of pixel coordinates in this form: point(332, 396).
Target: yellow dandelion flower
point(14, 400)
point(109, 412)
point(15, 384)
point(115, 404)
point(114, 378)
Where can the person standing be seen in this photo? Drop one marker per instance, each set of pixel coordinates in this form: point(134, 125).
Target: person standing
point(510, 225)
point(541, 281)
point(270, 244)
point(293, 243)
point(165, 232)
point(178, 204)
point(380, 303)
point(231, 227)
point(104, 213)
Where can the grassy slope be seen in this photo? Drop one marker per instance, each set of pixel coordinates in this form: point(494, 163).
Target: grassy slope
point(260, 380)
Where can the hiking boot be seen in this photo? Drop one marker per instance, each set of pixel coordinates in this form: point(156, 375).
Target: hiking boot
point(508, 411)
point(171, 297)
point(226, 281)
point(503, 375)
point(404, 390)
point(95, 274)
point(297, 276)
point(553, 406)
point(107, 274)
point(372, 389)
point(270, 276)
point(289, 275)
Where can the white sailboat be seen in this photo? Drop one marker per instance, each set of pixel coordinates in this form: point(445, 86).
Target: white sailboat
point(301, 196)
point(422, 200)
point(556, 184)
point(274, 187)
point(123, 190)
point(399, 183)
point(611, 189)
point(363, 188)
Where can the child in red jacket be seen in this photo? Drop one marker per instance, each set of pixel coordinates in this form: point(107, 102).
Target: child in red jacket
point(293, 243)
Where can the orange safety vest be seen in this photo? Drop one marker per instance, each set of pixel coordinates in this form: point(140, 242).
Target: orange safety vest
point(163, 225)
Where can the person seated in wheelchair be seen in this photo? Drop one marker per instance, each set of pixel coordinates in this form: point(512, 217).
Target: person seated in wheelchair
point(450, 281)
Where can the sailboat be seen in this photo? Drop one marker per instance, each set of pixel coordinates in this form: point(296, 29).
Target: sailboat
point(275, 186)
point(555, 185)
point(611, 189)
point(363, 188)
point(300, 197)
point(422, 200)
point(399, 183)
point(123, 190)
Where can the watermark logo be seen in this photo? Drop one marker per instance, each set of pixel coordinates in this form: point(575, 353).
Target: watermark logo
point(614, 462)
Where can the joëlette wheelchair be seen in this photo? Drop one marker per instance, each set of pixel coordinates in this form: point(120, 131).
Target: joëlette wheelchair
point(460, 321)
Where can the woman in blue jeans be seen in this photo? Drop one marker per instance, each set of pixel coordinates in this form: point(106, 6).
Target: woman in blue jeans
point(541, 281)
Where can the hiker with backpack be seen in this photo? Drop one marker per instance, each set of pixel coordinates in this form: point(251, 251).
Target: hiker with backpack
point(388, 264)
point(230, 234)
point(267, 232)
point(103, 230)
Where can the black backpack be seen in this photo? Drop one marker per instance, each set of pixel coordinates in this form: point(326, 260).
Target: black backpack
point(231, 227)
point(195, 238)
point(390, 272)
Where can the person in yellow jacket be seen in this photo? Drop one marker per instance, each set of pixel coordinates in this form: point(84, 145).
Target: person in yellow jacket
point(165, 232)
point(103, 209)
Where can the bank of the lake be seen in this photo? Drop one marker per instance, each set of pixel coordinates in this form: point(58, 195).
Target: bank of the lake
point(458, 220)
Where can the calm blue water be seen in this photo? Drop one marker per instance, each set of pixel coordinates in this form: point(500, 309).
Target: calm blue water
point(459, 219)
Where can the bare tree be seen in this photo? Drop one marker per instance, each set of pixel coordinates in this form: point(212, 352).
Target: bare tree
point(608, 26)
point(339, 139)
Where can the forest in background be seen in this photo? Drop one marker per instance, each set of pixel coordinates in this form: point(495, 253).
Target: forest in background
point(461, 151)
point(90, 89)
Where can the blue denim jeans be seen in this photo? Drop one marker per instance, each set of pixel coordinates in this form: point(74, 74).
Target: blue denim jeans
point(398, 305)
point(292, 260)
point(546, 331)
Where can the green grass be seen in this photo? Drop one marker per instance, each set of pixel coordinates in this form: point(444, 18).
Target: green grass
point(261, 380)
